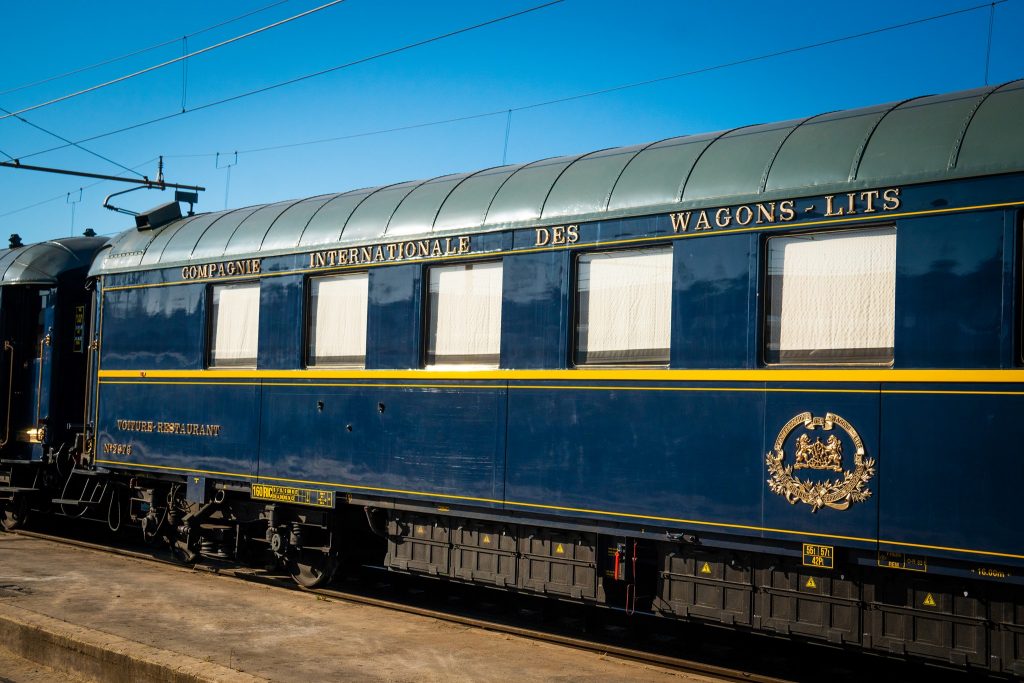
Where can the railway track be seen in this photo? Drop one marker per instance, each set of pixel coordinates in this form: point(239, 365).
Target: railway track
point(795, 661)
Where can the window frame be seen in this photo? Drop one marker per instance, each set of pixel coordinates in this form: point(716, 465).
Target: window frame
point(211, 330)
point(425, 330)
point(763, 336)
point(573, 292)
point(307, 322)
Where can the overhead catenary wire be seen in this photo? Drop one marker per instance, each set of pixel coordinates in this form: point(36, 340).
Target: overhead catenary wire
point(304, 77)
point(504, 111)
point(121, 79)
point(508, 111)
point(73, 144)
point(143, 50)
point(988, 45)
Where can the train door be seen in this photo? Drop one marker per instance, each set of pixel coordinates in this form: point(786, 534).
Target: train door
point(6, 367)
point(19, 366)
point(43, 370)
point(90, 320)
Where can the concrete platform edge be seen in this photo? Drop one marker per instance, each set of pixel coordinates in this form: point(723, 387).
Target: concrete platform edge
point(99, 656)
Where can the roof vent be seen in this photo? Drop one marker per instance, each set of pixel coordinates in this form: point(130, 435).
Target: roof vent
point(157, 216)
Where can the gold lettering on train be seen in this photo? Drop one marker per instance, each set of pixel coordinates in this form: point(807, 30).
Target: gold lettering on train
point(767, 213)
point(391, 252)
point(786, 211)
point(559, 234)
point(182, 428)
point(680, 221)
point(891, 199)
point(204, 271)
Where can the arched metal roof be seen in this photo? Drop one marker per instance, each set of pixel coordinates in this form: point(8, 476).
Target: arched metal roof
point(43, 263)
point(973, 132)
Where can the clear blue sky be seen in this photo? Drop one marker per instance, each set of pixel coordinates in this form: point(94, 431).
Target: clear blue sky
point(573, 47)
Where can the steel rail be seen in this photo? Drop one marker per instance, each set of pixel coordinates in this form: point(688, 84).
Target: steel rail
point(625, 653)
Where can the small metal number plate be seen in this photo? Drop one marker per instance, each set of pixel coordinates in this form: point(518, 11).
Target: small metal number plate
point(820, 556)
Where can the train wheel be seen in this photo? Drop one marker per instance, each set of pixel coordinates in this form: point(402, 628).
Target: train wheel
point(16, 514)
point(312, 568)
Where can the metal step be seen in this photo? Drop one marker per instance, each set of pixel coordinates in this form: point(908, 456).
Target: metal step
point(72, 501)
point(16, 489)
point(15, 462)
point(85, 473)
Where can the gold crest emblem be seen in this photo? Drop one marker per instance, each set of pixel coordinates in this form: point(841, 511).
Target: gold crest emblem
point(838, 493)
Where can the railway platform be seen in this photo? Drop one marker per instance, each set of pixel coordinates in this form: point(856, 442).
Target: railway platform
point(89, 615)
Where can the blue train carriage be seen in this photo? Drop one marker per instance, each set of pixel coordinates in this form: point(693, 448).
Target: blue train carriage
point(45, 312)
point(768, 377)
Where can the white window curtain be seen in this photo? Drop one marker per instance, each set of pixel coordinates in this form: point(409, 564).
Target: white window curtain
point(624, 307)
point(465, 314)
point(236, 325)
point(832, 297)
point(338, 320)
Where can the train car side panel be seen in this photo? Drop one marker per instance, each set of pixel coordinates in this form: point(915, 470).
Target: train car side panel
point(154, 328)
point(281, 322)
point(396, 304)
point(659, 453)
point(951, 474)
point(714, 302)
point(445, 441)
point(179, 426)
point(535, 305)
point(822, 457)
point(949, 280)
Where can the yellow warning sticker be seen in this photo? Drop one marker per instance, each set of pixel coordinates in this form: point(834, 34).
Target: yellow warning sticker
point(928, 601)
point(706, 569)
point(486, 539)
point(559, 550)
point(810, 582)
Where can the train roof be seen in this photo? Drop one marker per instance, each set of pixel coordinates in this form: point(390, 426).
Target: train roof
point(43, 263)
point(962, 134)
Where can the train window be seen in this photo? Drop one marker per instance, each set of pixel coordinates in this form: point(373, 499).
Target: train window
point(624, 307)
point(464, 317)
point(235, 317)
point(337, 322)
point(832, 297)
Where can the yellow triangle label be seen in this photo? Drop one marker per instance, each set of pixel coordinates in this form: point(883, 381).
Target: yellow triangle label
point(560, 550)
point(810, 582)
point(487, 539)
point(706, 569)
point(929, 601)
